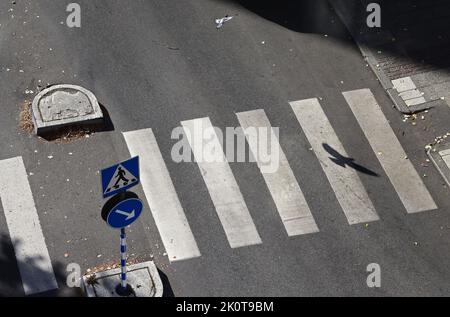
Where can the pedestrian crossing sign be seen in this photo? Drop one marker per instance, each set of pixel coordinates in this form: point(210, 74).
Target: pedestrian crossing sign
point(120, 177)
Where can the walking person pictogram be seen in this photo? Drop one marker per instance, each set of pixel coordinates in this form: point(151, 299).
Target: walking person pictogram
point(121, 177)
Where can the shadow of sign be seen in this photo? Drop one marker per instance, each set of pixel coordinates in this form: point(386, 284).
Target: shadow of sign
point(11, 284)
point(343, 161)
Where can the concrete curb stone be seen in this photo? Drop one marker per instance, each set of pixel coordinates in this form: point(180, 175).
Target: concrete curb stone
point(439, 163)
point(60, 106)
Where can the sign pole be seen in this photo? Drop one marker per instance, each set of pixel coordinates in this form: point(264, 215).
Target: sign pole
point(122, 209)
point(123, 260)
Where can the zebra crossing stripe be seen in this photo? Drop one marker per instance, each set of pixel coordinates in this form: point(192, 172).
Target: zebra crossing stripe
point(283, 186)
point(405, 179)
point(344, 180)
point(164, 203)
point(25, 230)
point(222, 186)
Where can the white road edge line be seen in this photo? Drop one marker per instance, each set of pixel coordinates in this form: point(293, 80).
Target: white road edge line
point(282, 184)
point(160, 192)
point(25, 230)
point(402, 174)
point(344, 180)
point(222, 186)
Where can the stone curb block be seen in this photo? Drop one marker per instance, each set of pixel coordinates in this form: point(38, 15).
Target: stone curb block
point(60, 106)
point(438, 162)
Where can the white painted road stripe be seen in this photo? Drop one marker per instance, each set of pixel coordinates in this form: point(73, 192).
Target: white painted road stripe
point(287, 195)
point(25, 230)
point(344, 180)
point(223, 189)
point(390, 153)
point(165, 206)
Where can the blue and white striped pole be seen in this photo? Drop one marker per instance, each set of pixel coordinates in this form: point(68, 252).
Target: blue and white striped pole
point(123, 260)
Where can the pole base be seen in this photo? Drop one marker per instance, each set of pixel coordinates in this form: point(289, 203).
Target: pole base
point(125, 292)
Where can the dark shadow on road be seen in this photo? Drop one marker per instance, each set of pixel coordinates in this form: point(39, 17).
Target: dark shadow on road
point(10, 284)
point(343, 161)
point(107, 124)
point(11, 281)
point(167, 292)
point(305, 16)
point(418, 29)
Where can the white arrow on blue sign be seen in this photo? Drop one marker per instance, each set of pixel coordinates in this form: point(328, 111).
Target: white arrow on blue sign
point(120, 212)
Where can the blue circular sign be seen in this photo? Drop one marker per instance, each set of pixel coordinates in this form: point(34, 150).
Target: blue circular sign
point(125, 213)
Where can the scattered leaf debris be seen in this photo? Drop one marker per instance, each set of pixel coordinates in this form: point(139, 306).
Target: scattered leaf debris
point(25, 118)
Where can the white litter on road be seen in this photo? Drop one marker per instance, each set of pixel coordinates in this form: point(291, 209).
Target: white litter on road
point(222, 21)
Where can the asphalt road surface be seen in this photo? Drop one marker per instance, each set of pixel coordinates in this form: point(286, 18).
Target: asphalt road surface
point(154, 64)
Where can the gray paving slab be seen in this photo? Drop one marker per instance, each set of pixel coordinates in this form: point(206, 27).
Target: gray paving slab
point(143, 278)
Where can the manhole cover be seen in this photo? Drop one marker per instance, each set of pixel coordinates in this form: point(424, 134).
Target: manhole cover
point(64, 105)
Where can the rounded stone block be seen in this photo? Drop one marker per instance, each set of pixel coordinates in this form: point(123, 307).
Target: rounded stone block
point(64, 105)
